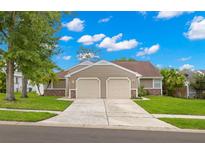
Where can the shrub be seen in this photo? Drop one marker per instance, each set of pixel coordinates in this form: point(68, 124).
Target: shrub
point(142, 91)
point(198, 84)
point(172, 80)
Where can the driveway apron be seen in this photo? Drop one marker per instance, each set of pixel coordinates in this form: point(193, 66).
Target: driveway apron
point(105, 113)
point(82, 112)
point(124, 112)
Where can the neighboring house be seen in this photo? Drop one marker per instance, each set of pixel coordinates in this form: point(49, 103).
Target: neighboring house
point(192, 92)
point(18, 83)
point(187, 91)
point(105, 79)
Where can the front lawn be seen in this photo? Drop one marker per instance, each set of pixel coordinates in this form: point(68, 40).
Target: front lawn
point(24, 116)
point(171, 105)
point(185, 123)
point(34, 102)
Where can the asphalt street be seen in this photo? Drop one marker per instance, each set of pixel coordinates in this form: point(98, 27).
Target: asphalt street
point(45, 134)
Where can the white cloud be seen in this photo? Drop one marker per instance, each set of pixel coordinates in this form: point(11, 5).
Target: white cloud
point(197, 29)
point(75, 25)
point(111, 44)
point(184, 58)
point(148, 51)
point(170, 14)
point(103, 20)
point(65, 38)
point(159, 66)
point(170, 66)
point(187, 67)
point(66, 57)
point(88, 39)
point(88, 55)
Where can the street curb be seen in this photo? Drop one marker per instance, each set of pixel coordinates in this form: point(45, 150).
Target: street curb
point(14, 123)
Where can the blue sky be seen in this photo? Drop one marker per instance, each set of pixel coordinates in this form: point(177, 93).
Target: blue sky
point(167, 39)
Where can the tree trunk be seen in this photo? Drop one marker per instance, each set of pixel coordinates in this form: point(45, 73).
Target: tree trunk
point(10, 65)
point(48, 84)
point(10, 81)
point(24, 87)
point(39, 91)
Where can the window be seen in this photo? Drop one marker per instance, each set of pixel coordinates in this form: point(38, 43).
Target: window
point(146, 83)
point(157, 83)
point(17, 81)
point(59, 84)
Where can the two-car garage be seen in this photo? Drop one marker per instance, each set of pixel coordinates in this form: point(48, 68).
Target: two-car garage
point(103, 80)
point(115, 88)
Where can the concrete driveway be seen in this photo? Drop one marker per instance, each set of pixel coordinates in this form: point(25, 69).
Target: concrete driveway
point(106, 113)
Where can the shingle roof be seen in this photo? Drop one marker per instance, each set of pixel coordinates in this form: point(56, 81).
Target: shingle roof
point(62, 74)
point(70, 70)
point(144, 68)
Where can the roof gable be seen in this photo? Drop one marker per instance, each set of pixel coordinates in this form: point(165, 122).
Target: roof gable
point(103, 62)
point(86, 63)
point(74, 68)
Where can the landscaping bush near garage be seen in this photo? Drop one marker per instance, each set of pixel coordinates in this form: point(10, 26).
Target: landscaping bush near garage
point(185, 123)
point(172, 105)
point(142, 91)
point(24, 116)
point(34, 102)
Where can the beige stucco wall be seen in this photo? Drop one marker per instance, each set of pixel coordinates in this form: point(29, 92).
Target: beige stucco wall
point(146, 83)
point(61, 83)
point(103, 72)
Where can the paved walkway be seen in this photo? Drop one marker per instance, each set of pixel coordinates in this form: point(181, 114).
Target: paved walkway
point(105, 113)
point(25, 110)
point(178, 116)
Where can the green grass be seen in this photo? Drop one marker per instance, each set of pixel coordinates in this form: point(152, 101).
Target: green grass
point(24, 116)
point(171, 105)
point(34, 102)
point(185, 123)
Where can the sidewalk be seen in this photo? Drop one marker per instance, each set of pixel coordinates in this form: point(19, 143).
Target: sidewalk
point(178, 116)
point(27, 110)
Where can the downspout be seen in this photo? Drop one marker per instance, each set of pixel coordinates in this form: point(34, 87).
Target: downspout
point(138, 85)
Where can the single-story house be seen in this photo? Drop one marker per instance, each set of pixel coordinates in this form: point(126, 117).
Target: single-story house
point(103, 79)
point(187, 91)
